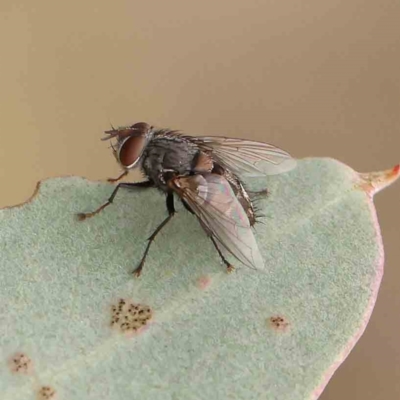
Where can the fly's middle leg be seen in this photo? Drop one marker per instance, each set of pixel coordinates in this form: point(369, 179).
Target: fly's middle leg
point(145, 184)
point(171, 213)
point(229, 266)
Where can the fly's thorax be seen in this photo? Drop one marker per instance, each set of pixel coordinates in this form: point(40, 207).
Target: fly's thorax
point(166, 156)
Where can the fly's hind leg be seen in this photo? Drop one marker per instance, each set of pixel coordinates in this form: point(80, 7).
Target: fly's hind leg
point(229, 266)
point(171, 212)
point(145, 184)
point(261, 192)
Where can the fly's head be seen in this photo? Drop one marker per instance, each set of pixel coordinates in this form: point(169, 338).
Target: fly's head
point(130, 144)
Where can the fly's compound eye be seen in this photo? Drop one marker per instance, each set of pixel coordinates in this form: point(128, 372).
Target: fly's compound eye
point(131, 150)
point(141, 127)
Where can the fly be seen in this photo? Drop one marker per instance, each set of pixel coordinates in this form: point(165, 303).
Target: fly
point(206, 174)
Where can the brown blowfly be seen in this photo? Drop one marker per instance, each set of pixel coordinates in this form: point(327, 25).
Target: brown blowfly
point(206, 173)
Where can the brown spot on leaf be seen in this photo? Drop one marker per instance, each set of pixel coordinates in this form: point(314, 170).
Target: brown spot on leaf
point(278, 323)
point(46, 393)
point(130, 316)
point(20, 363)
point(204, 282)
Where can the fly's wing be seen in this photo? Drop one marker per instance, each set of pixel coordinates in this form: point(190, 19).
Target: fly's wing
point(221, 215)
point(246, 157)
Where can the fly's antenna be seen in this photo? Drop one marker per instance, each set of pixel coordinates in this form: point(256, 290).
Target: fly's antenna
point(121, 132)
point(111, 134)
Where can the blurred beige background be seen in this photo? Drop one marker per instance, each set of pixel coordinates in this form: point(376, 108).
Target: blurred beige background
point(318, 78)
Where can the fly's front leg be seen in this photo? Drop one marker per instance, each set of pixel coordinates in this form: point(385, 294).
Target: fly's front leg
point(171, 213)
point(145, 184)
point(113, 180)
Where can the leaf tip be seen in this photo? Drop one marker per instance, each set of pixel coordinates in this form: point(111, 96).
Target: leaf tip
point(374, 182)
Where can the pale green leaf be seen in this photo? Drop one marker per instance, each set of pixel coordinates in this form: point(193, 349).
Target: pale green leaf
point(277, 334)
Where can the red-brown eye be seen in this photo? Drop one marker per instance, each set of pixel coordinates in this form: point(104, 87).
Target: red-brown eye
point(130, 150)
point(141, 127)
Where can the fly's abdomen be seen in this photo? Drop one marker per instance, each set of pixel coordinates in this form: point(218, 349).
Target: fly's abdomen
point(242, 196)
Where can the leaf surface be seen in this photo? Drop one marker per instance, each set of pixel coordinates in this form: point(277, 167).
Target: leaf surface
point(273, 334)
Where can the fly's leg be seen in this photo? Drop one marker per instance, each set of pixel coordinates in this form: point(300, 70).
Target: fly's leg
point(112, 180)
point(171, 212)
point(261, 192)
point(145, 184)
point(229, 266)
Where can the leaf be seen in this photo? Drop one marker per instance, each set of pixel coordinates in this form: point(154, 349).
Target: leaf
point(204, 334)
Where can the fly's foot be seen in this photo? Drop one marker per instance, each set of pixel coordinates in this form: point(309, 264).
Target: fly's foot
point(136, 273)
point(230, 268)
point(83, 216)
